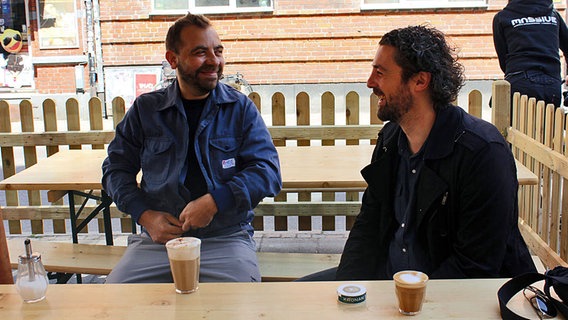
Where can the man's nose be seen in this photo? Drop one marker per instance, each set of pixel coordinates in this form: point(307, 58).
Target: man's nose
point(212, 58)
point(371, 81)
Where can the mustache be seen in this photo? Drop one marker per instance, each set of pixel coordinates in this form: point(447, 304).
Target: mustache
point(209, 69)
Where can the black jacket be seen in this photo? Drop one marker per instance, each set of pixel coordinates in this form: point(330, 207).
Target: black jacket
point(466, 206)
point(528, 35)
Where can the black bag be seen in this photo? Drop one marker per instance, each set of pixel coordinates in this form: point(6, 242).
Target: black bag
point(556, 278)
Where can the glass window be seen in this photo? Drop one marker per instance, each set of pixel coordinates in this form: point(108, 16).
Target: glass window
point(421, 4)
point(170, 5)
point(16, 69)
point(211, 3)
point(57, 24)
point(209, 6)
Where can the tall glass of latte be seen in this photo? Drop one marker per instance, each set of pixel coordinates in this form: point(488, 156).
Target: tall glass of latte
point(183, 254)
point(410, 287)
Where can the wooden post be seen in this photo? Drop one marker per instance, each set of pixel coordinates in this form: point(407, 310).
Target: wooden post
point(30, 158)
point(501, 105)
point(9, 165)
point(279, 119)
point(475, 103)
point(328, 118)
point(303, 119)
point(118, 110)
point(5, 268)
point(352, 114)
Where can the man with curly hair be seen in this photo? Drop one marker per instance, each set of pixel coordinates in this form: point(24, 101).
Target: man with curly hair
point(442, 184)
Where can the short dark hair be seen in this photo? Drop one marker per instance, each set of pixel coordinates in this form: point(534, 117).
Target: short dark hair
point(423, 48)
point(173, 37)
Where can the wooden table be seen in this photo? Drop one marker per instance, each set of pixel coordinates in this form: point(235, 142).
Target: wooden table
point(302, 167)
point(445, 299)
point(324, 167)
point(68, 172)
point(315, 167)
point(328, 167)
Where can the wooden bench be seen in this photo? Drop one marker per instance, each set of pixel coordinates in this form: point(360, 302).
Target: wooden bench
point(63, 257)
point(100, 259)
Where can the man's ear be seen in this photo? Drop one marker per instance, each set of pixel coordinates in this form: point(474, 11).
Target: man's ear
point(172, 58)
point(422, 80)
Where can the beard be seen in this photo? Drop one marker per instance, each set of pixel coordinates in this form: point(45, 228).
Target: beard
point(192, 79)
point(396, 106)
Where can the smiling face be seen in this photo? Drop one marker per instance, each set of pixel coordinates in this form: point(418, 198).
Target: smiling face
point(395, 99)
point(12, 40)
point(199, 61)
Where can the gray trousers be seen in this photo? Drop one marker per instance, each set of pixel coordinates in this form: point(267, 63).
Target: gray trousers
point(228, 258)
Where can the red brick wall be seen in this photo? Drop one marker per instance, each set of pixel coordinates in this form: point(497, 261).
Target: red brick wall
point(59, 78)
point(56, 79)
point(310, 41)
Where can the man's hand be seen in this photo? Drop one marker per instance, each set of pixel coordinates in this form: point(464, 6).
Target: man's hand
point(161, 226)
point(198, 213)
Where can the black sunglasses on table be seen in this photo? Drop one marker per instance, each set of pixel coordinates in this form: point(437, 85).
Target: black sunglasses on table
point(540, 302)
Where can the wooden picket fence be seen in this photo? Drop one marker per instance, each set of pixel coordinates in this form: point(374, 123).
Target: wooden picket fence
point(37, 210)
point(538, 137)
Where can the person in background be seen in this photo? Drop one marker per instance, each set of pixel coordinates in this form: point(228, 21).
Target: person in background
point(207, 159)
point(442, 184)
point(527, 35)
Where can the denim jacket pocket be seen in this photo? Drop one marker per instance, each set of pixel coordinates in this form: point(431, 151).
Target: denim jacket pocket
point(156, 159)
point(224, 152)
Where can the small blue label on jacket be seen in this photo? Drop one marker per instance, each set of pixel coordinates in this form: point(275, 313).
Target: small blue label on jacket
point(228, 163)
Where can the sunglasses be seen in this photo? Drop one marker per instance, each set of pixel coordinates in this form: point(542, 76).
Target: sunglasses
point(8, 39)
point(540, 302)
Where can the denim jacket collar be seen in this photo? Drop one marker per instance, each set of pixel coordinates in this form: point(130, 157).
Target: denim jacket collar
point(222, 94)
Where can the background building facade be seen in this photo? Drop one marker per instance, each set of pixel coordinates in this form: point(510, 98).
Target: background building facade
point(108, 48)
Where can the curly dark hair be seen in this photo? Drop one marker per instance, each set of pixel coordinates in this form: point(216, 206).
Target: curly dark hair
point(174, 32)
point(423, 48)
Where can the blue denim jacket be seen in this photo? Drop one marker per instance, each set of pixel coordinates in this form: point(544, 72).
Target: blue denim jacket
point(233, 146)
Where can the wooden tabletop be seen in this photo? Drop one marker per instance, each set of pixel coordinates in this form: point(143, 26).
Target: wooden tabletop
point(445, 299)
point(302, 167)
point(324, 166)
point(65, 170)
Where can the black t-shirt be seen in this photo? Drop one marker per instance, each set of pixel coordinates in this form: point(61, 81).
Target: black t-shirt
point(194, 180)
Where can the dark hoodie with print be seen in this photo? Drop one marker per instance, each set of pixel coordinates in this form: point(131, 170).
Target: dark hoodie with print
point(527, 35)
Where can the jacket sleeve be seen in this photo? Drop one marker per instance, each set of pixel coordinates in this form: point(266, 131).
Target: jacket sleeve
point(360, 257)
point(364, 249)
point(259, 174)
point(484, 226)
point(500, 43)
point(123, 164)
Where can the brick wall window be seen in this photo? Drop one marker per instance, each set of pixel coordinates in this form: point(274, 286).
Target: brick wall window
point(209, 6)
point(421, 4)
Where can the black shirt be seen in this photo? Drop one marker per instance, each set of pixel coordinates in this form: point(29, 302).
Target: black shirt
point(194, 180)
point(405, 251)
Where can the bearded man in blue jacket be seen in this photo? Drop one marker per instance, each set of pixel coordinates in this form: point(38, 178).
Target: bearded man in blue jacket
point(207, 159)
point(442, 184)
